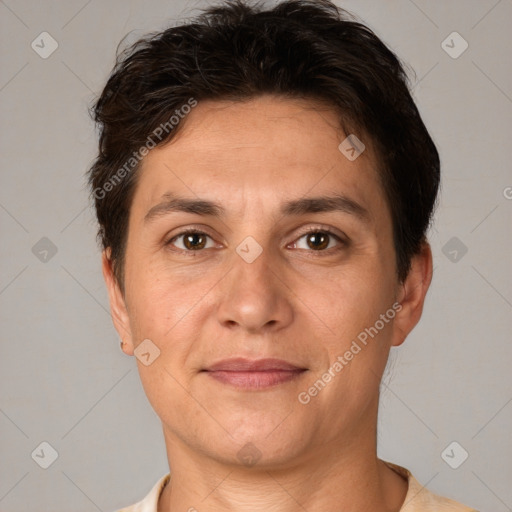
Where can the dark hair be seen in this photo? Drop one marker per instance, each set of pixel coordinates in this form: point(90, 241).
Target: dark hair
point(308, 49)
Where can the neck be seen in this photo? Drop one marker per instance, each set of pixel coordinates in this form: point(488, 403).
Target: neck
point(333, 476)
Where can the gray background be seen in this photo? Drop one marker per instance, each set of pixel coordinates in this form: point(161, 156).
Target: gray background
point(63, 378)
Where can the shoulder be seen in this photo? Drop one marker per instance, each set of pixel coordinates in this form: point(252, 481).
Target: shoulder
point(150, 502)
point(420, 499)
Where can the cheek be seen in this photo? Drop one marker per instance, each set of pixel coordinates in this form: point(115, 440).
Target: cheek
point(155, 305)
point(169, 307)
point(357, 297)
point(353, 305)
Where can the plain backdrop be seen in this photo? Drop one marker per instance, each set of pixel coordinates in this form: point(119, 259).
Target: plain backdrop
point(64, 380)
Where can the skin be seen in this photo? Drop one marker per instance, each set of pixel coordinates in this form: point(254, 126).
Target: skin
point(293, 302)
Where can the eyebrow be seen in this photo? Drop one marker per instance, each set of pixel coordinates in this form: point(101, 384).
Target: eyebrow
point(338, 202)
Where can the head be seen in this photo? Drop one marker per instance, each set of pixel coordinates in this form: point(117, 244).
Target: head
point(244, 127)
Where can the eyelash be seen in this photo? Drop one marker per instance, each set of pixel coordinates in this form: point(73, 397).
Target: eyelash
point(341, 242)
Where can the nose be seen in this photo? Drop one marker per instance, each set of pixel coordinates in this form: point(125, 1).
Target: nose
point(254, 297)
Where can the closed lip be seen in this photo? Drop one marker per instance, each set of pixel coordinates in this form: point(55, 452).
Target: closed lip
point(240, 364)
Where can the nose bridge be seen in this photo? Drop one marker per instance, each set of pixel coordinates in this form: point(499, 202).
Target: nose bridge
point(252, 296)
point(253, 265)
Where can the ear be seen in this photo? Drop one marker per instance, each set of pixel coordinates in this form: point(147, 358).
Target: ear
point(412, 294)
point(118, 309)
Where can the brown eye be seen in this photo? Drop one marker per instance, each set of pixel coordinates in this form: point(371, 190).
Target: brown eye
point(194, 241)
point(318, 240)
point(191, 241)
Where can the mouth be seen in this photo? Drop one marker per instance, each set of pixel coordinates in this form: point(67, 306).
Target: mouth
point(253, 374)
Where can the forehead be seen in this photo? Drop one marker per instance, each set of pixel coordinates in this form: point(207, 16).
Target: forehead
point(300, 131)
point(255, 152)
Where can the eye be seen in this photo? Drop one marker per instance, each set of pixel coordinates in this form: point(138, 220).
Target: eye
point(315, 240)
point(318, 240)
point(192, 240)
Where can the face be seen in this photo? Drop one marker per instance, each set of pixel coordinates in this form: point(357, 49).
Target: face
point(293, 262)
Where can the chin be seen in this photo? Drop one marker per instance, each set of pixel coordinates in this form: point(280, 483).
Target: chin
point(264, 444)
point(259, 454)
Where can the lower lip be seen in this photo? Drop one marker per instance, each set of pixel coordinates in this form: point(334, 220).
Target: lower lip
point(254, 379)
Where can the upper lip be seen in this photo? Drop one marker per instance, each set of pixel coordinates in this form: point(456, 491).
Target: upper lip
point(240, 364)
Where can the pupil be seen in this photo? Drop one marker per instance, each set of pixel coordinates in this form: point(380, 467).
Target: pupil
point(191, 241)
point(318, 241)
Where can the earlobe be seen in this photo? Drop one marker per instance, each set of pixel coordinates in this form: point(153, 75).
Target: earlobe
point(118, 310)
point(412, 294)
